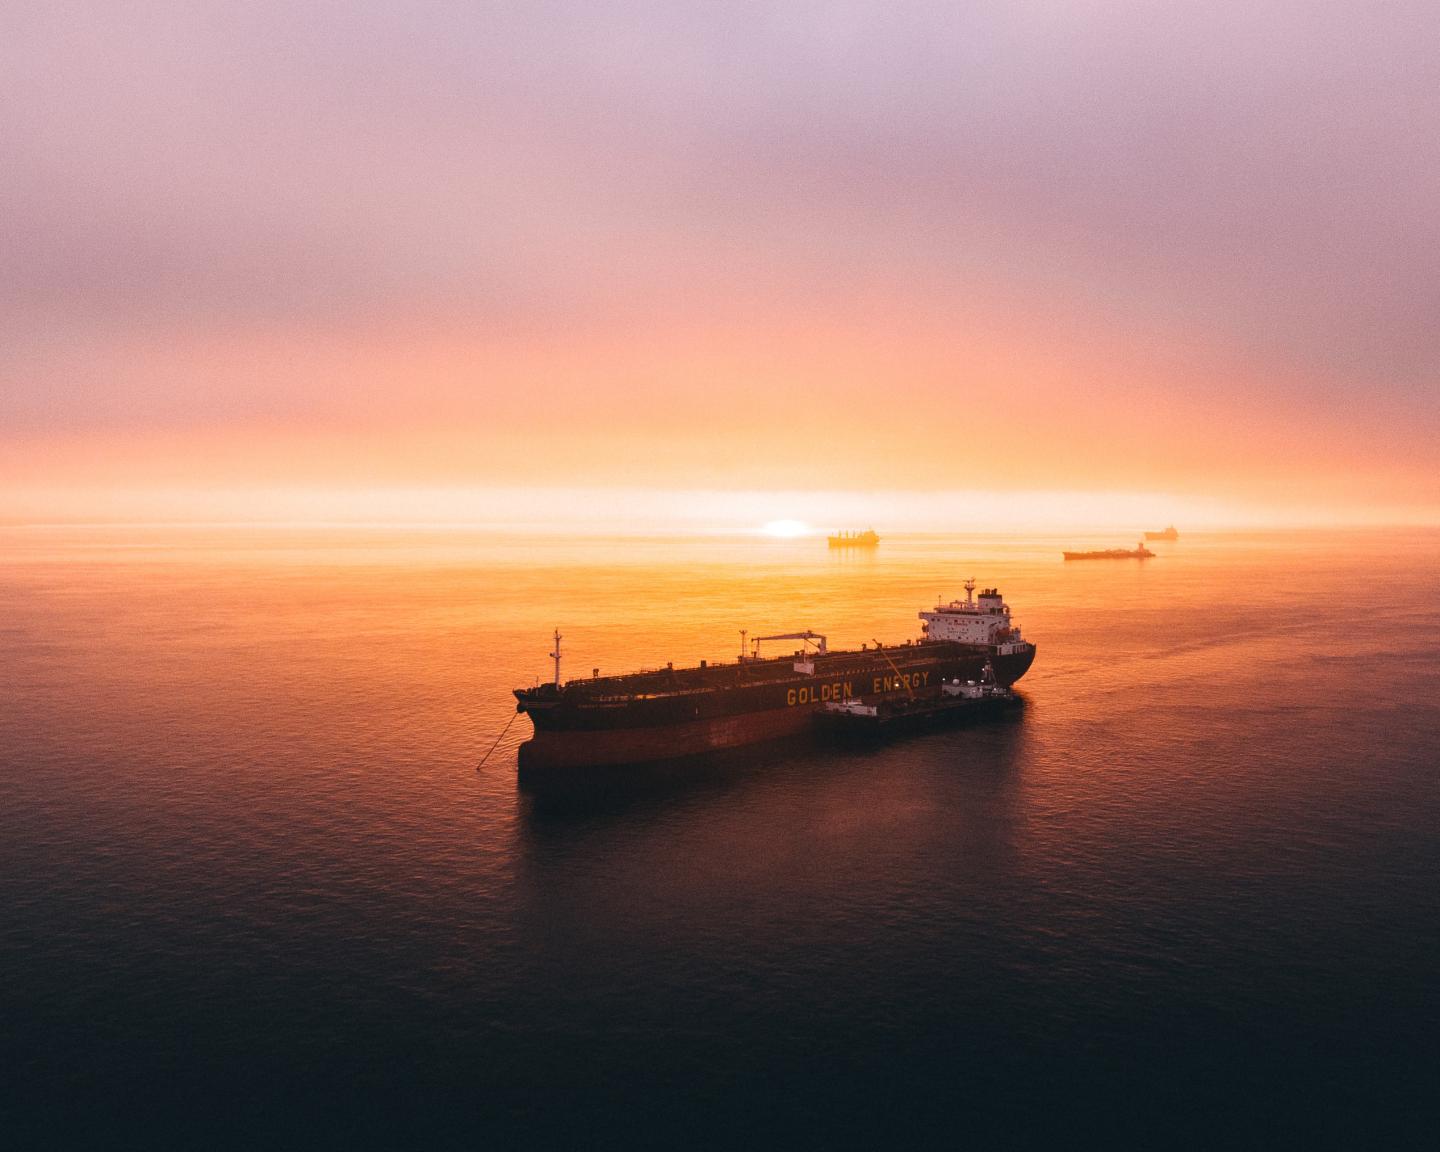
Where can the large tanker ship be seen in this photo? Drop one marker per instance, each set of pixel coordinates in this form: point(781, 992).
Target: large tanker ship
point(674, 712)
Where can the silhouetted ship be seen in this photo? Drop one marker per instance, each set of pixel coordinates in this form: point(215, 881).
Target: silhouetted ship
point(673, 712)
point(1168, 534)
point(866, 539)
point(1139, 552)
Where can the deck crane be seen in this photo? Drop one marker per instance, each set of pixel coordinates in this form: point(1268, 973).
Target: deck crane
point(804, 664)
point(809, 637)
point(900, 676)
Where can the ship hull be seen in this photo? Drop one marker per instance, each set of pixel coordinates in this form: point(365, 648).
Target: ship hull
point(557, 750)
point(576, 730)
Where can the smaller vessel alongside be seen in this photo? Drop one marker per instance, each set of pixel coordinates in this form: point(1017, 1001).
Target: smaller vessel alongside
point(1139, 552)
point(954, 700)
point(1168, 534)
point(866, 539)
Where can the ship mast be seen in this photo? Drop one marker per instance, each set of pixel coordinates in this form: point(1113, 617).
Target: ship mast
point(555, 656)
point(970, 591)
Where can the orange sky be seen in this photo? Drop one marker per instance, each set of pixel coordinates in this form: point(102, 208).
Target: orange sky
point(667, 251)
point(876, 399)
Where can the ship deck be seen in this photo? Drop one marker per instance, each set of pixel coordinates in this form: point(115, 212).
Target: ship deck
point(663, 682)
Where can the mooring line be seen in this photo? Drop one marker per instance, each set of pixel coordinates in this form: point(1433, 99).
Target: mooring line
point(497, 742)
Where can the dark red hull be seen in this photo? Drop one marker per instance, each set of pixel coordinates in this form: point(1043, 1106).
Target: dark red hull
point(592, 748)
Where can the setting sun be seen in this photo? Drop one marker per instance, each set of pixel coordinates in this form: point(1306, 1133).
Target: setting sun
point(786, 528)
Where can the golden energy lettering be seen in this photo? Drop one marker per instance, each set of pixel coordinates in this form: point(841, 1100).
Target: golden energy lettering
point(844, 689)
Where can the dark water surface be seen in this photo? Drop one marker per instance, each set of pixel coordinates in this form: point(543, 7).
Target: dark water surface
point(254, 892)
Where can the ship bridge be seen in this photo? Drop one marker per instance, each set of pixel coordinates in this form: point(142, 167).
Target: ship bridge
point(986, 621)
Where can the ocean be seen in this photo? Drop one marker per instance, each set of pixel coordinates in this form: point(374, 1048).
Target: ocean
point(254, 891)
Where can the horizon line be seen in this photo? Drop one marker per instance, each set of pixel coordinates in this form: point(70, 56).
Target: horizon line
point(622, 510)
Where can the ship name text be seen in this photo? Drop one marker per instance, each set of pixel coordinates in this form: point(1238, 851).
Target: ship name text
point(843, 690)
point(909, 680)
point(835, 691)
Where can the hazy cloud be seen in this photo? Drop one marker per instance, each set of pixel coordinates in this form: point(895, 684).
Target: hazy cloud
point(1257, 178)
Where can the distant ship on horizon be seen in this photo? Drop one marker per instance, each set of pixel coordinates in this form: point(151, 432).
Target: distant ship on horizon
point(1168, 534)
point(1139, 552)
point(866, 539)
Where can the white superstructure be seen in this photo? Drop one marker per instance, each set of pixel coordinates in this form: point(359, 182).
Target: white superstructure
point(971, 621)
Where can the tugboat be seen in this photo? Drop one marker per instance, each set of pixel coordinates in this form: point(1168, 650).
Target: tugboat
point(1139, 552)
point(866, 539)
point(955, 699)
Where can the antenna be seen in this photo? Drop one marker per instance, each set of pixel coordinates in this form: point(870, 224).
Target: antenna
point(555, 656)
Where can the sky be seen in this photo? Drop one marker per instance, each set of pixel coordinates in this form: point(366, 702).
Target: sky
point(1072, 259)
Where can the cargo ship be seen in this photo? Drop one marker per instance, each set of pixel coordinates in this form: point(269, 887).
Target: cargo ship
point(1168, 534)
point(1139, 552)
point(668, 713)
point(866, 539)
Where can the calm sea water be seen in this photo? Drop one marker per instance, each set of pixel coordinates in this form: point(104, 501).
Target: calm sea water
point(254, 892)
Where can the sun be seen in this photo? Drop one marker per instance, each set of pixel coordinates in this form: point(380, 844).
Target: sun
point(785, 528)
